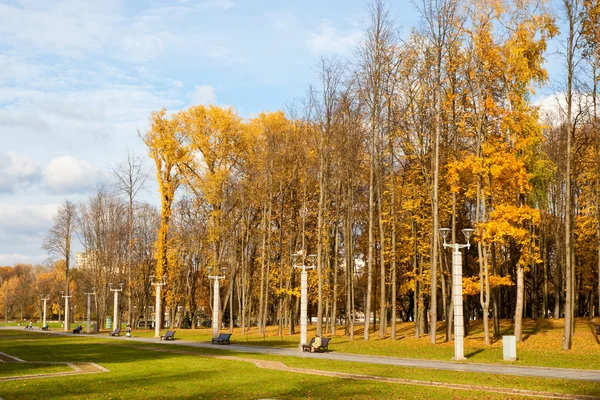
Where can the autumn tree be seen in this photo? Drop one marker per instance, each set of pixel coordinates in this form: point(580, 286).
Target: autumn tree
point(166, 147)
point(58, 241)
point(130, 179)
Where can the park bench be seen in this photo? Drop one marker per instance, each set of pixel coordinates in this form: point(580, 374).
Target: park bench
point(222, 339)
point(170, 335)
point(78, 329)
point(45, 327)
point(116, 332)
point(323, 347)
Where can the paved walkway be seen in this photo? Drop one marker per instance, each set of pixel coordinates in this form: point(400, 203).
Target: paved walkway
point(499, 369)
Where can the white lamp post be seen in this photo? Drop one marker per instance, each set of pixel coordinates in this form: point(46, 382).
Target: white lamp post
point(299, 261)
point(459, 328)
point(66, 323)
point(89, 306)
point(215, 313)
point(44, 299)
point(158, 284)
point(116, 305)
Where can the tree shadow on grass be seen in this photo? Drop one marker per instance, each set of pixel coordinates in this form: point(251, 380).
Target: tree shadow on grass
point(536, 326)
point(474, 353)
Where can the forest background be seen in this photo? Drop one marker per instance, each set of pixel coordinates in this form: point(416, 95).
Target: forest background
point(434, 130)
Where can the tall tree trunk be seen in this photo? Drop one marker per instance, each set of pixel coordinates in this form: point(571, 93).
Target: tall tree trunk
point(572, 8)
point(382, 295)
point(393, 250)
point(370, 228)
point(261, 308)
point(281, 263)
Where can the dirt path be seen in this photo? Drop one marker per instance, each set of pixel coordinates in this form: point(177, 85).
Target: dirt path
point(78, 368)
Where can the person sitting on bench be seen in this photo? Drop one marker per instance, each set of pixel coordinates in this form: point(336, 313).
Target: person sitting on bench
point(315, 344)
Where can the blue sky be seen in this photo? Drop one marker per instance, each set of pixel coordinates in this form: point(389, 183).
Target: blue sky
point(79, 78)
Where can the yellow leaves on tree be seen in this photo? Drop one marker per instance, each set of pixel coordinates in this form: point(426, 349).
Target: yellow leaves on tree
point(471, 284)
point(166, 148)
point(514, 223)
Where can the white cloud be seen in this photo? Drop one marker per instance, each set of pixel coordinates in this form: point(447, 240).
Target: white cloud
point(204, 95)
point(329, 41)
point(16, 170)
point(26, 219)
point(283, 21)
point(14, 259)
point(553, 108)
point(79, 28)
point(68, 174)
point(70, 28)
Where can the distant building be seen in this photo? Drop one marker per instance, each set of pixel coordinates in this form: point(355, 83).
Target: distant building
point(82, 259)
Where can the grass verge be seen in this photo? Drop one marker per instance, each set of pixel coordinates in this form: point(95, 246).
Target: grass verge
point(138, 373)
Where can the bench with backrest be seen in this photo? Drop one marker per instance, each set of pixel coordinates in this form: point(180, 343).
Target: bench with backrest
point(78, 329)
point(45, 327)
point(323, 347)
point(116, 332)
point(223, 338)
point(170, 335)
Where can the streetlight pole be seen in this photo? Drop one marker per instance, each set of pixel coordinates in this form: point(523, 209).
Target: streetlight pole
point(116, 306)
point(299, 257)
point(158, 284)
point(459, 327)
point(66, 323)
point(215, 313)
point(44, 299)
point(89, 307)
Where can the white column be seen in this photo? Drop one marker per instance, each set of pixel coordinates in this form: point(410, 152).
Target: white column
point(303, 307)
point(44, 316)
point(116, 310)
point(459, 329)
point(89, 306)
point(66, 323)
point(157, 323)
point(215, 313)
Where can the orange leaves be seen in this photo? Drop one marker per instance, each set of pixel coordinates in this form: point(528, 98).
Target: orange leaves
point(508, 221)
point(471, 284)
point(165, 144)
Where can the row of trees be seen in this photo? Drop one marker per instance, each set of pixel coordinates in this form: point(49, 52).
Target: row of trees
point(118, 235)
point(436, 129)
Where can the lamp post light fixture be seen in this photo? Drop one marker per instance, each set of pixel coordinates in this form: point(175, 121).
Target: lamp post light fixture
point(116, 305)
point(44, 299)
point(89, 307)
point(66, 322)
point(299, 261)
point(215, 314)
point(459, 327)
point(158, 284)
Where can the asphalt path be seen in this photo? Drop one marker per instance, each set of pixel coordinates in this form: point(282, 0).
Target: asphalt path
point(498, 369)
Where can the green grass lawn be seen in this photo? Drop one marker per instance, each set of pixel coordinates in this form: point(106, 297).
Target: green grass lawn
point(140, 373)
point(541, 345)
point(17, 369)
